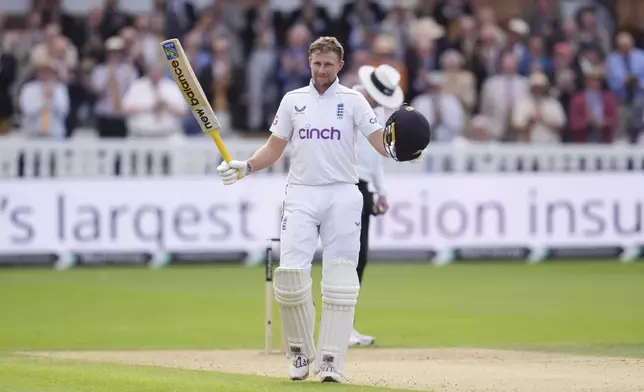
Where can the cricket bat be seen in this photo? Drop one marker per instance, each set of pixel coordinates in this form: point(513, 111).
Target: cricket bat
point(192, 92)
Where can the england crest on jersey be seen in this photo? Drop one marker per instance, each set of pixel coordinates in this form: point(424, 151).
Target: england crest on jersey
point(340, 111)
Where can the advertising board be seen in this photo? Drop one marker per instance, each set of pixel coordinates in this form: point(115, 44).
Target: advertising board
point(462, 216)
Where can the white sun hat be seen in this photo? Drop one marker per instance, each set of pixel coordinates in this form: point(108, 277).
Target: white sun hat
point(382, 84)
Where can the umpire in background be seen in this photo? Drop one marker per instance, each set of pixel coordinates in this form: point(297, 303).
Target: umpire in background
point(380, 86)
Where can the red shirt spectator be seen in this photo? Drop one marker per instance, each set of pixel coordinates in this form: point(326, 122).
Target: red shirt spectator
point(593, 112)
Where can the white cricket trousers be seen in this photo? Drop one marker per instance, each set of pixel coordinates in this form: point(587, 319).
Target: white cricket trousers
point(331, 213)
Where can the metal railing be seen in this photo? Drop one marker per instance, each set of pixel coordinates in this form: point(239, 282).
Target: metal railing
point(93, 157)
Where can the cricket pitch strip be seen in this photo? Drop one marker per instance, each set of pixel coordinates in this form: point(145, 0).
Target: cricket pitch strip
point(439, 370)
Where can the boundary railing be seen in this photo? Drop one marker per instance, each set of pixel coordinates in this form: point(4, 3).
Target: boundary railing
point(93, 157)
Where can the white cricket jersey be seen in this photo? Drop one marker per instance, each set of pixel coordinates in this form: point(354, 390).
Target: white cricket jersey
point(370, 162)
point(323, 132)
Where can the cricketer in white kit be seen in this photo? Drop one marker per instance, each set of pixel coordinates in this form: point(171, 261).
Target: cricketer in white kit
point(322, 200)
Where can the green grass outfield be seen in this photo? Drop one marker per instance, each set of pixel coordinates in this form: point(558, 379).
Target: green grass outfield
point(594, 308)
point(39, 375)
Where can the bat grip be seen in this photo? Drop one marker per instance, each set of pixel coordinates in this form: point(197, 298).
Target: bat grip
point(222, 149)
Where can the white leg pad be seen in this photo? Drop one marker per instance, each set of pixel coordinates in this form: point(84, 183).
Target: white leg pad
point(340, 289)
point(292, 288)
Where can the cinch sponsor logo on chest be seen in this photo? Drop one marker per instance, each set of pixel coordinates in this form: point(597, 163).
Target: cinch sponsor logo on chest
point(317, 133)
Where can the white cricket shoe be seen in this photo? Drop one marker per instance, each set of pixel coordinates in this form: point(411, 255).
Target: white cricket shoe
point(299, 368)
point(329, 374)
point(358, 339)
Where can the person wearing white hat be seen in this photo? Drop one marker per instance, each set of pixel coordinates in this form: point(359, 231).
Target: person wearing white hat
point(538, 117)
point(518, 30)
point(109, 82)
point(380, 86)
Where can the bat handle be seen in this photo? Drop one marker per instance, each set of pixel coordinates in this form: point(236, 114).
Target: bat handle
point(222, 149)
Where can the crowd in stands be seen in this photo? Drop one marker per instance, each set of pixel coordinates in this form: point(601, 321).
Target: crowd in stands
point(543, 77)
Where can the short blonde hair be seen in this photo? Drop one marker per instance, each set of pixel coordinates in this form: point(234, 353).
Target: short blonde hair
point(325, 45)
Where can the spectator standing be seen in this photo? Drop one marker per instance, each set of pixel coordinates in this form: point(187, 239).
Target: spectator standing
point(499, 95)
point(91, 45)
point(254, 63)
point(485, 60)
point(442, 110)
point(260, 39)
point(625, 67)
point(589, 30)
point(422, 57)
point(350, 76)
point(538, 118)
point(448, 13)
point(154, 105)
point(385, 51)
point(110, 81)
point(44, 103)
point(636, 122)
point(593, 112)
point(293, 71)
point(198, 56)
point(426, 8)
point(467, 39)
point(221, 81)
point(179, 17)
point(569, 35)
point(52, 13)
point(8, 76)
point(57, 48)
point(565, 80)
point(536, 58)
point(541, 16)
point(359, 22)
point(591, 56)
point(147, 40)
point(518, 31)
point(113, 20)
point(486, 17)
point(314, 17)
point(396, 24)
point(458, 81)
point(31, 36)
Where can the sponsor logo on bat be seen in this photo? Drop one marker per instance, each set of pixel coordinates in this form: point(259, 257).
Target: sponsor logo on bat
point(195, 105)
point(170, 50)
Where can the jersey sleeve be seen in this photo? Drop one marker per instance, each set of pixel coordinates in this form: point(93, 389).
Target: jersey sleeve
point(364, 117)
point(282, 125)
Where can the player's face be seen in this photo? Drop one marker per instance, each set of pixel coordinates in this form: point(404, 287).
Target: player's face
point(325, 67)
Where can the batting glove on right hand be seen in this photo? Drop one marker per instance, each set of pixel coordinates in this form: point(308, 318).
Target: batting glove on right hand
point(230, 171)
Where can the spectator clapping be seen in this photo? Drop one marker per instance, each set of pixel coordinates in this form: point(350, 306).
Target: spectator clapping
point(489, 64)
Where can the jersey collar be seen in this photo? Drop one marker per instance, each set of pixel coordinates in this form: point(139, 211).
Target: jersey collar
point(329, 92)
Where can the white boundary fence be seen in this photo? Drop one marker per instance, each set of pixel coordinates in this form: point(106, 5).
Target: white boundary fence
point(151, 158)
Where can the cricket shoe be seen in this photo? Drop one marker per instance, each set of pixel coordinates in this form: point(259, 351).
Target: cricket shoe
point(329, 374)
point(358, 339)
point(299, 368)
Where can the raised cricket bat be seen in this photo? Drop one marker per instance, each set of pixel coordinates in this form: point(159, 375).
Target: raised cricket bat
point(192, 92)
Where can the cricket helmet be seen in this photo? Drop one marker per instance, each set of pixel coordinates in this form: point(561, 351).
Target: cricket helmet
point(407, 134)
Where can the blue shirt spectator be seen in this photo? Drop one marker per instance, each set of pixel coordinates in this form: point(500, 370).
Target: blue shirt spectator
point(625, 68)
